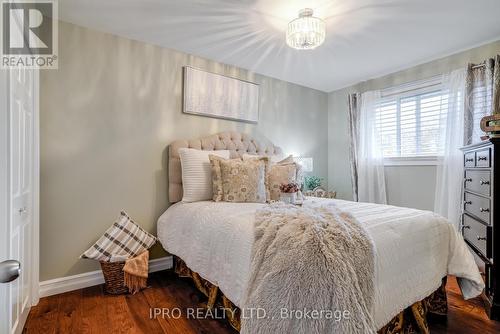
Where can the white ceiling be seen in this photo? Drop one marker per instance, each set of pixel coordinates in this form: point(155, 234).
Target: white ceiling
point(365, 38)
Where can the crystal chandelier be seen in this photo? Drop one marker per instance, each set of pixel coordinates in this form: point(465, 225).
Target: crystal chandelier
point(306, 32)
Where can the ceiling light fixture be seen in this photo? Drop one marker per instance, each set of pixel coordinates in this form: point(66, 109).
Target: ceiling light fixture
point(306, 32)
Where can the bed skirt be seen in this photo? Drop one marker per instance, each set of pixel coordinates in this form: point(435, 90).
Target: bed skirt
point(411, 320)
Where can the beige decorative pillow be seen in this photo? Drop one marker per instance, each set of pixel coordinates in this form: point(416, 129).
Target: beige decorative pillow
point(278, 175)
point(236, 180)
point(299, 174)
point(217, 177)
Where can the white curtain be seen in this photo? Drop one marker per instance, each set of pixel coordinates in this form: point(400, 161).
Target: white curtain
point(449, 177)
point(371, 178)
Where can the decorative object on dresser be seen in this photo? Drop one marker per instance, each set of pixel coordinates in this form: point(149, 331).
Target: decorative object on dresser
point(491, 125)
point(220, 96)
point(479, 218)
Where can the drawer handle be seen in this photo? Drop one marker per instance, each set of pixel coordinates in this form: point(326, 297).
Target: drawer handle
point(469, 160)
point(484, 182)
point(482, 158)
point(484, 210)
point(467, 202)
point(468, 179)
point(481, 238)
point(466, 227)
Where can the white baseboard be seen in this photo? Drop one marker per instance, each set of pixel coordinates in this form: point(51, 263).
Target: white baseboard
point(80, 281)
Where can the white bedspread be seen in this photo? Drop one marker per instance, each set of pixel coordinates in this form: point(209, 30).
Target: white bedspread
point(414, 249)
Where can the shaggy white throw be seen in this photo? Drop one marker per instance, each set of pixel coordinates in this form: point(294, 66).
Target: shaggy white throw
point(312, 271)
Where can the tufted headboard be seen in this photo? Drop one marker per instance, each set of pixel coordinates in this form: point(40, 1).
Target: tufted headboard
point(237, 143)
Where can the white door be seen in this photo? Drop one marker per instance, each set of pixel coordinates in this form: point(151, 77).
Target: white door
point(19, 237)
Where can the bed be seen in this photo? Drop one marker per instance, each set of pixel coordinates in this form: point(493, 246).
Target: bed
point(415, 249)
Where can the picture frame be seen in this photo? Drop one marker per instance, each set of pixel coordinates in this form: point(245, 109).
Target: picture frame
point(220, 96)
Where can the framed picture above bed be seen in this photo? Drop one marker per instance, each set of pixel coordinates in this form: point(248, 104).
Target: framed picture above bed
point(220, 96)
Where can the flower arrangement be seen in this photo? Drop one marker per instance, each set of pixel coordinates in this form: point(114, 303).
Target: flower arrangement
point(312, 182)
point(289, 188)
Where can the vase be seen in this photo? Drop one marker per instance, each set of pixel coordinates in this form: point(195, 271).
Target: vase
point(288, 198)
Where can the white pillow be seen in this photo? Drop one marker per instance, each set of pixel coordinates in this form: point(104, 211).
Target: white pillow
point(197, 173)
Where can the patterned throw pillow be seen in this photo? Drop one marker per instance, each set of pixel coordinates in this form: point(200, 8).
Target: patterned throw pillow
point(124, 239)
point(278, 175)
point(281, 172)
point(299, 176)
point(217, 176)
point(235, 180)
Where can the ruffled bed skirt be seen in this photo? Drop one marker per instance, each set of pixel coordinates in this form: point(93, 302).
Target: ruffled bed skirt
point(411, 320)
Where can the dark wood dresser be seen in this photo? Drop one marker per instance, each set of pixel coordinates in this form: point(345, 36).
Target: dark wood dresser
point(480, 223)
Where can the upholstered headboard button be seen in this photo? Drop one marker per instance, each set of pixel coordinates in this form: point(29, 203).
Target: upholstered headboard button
point(237, 143)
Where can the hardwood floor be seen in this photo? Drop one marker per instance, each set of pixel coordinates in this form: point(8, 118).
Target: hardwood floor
point(91, 311)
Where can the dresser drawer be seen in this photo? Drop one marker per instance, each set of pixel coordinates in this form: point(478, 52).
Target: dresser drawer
point(478, 181)
point(478, 206)
point(483, 158)
point(478, 235)
point(470, 159)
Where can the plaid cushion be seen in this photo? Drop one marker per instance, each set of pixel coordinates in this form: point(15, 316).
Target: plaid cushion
point(124, 239)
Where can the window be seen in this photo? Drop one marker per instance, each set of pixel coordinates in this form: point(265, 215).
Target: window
point(408, 124)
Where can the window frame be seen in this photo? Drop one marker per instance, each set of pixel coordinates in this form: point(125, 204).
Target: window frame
point(397, 93)
point(412, 161)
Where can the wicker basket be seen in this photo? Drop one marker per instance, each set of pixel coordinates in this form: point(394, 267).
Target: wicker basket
point(113, 277)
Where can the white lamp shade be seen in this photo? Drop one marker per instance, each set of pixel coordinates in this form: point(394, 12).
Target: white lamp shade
point(306, 163)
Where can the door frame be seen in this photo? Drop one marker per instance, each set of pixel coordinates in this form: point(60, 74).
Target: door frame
point(5, 185)
point(4, 188)
point(35, 275)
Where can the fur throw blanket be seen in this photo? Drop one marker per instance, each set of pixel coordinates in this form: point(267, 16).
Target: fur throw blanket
point(312, 271)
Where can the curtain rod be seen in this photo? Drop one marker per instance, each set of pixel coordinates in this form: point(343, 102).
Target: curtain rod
point(409, 90)
point(412, 86)
point(389, 91)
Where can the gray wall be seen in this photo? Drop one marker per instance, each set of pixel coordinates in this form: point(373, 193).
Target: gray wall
point(107, 116)
point(411, 186)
